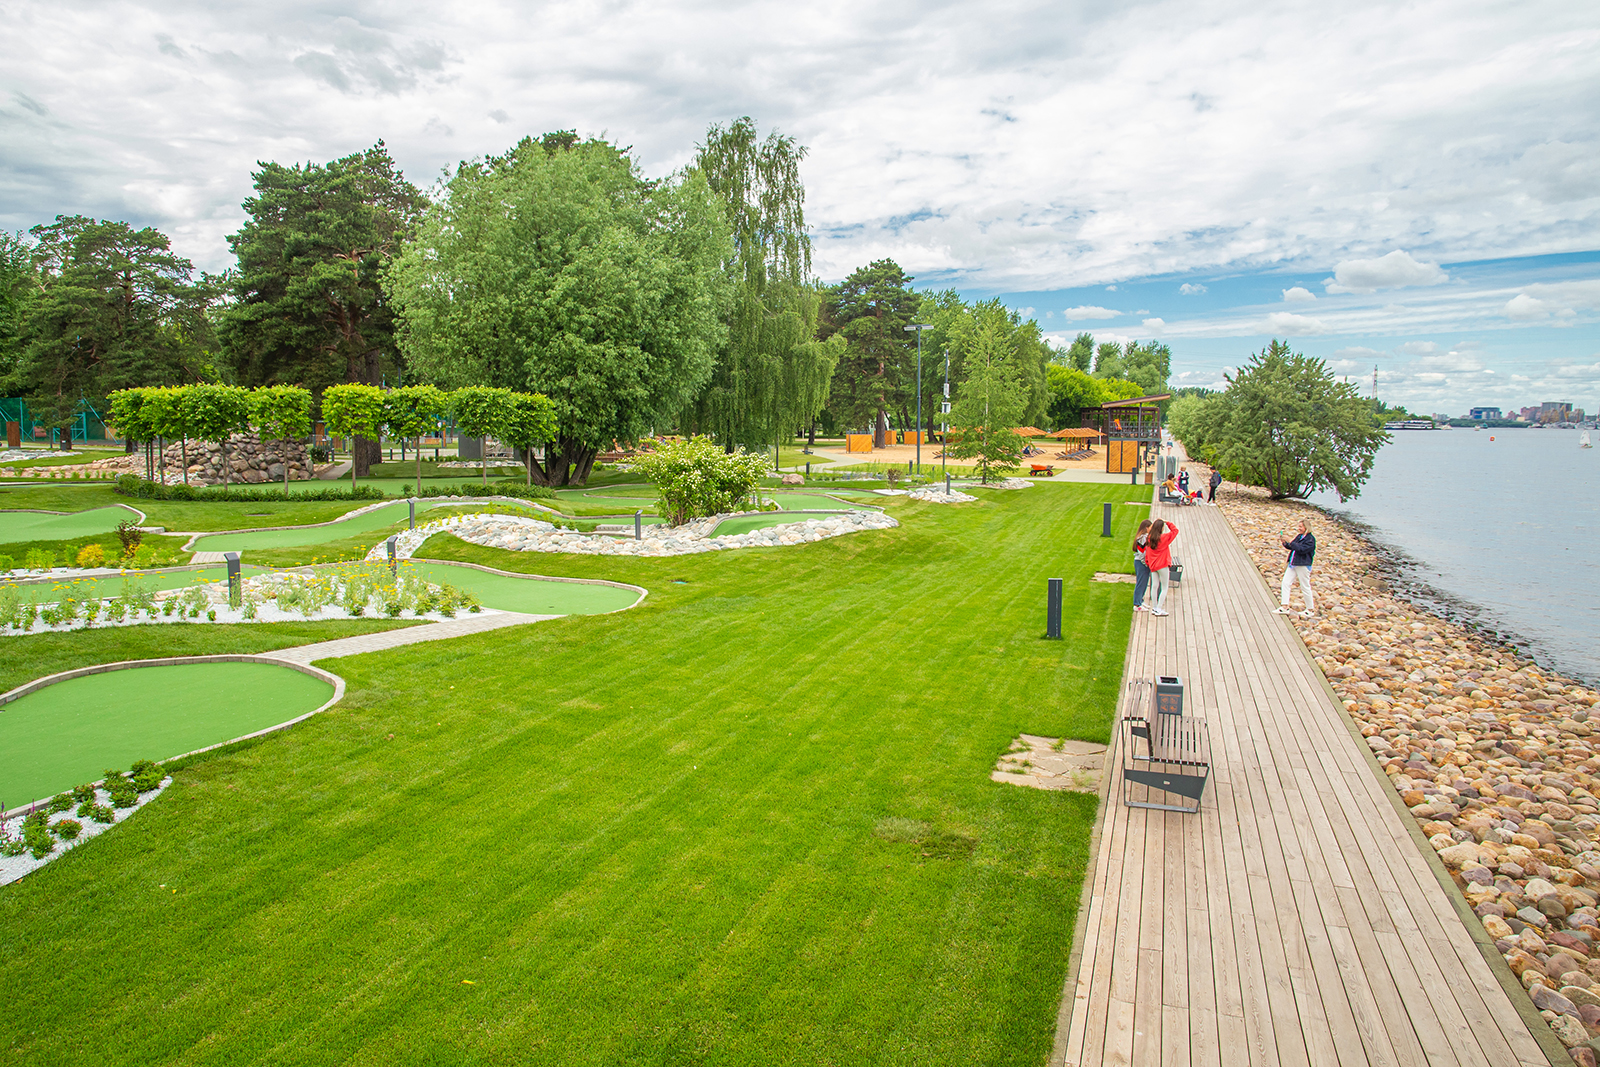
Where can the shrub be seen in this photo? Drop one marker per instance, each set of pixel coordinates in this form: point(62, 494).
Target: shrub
point(38, 839)
point(11, 846)
point(91, 610)
point(130, 535)
point(116, 610)
point(99, 813)
point(59, 803)
point(39, 559)
point(696, 478)
point(169, 605)
point(144, 556)
point(67, 829)
point(146, 775)
point(7, 563)
point(83, 794)
point(501, 488)
point(250, 606)
point(123, 793)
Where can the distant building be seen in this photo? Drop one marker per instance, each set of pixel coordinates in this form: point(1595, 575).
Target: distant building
point(1484, 413)
point(1529, 414)
point(1555, 411)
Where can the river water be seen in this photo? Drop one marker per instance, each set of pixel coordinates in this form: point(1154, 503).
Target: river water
point(1501, 533)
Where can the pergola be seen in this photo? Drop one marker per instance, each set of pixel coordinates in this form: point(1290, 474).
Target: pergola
point(1129, 425)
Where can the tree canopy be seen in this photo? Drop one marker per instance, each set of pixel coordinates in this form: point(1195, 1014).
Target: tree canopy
point(990, 403)
point(770, 375)
point(1286, 423)
point(876, 372)
point(113, 307)
point(1148, 363)
point(557, 269)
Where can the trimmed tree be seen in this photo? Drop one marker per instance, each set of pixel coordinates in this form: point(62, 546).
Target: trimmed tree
point(530, 420)
point(482, 411)
point(215, 413)
point(132, 421)
point(282, 411)
point(413, 410)
point(698, 478)
point(353, 411)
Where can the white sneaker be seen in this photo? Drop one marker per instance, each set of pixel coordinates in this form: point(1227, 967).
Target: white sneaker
point(1158, 611)
point(1282, 611)
point(1308, 615)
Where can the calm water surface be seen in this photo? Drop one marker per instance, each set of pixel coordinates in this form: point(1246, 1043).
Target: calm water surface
point(1505, 532)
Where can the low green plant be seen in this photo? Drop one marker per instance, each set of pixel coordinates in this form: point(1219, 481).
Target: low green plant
point(393, 608)
point(169, 605)
point(83, 794)
point(91, 610)
point(144, 556)
point(116, 611)
point(99, 813)
point(135, 486)
point(7, 563)
point(39, 559)
point(131, 536)
point(67, 829)
point(251, 603)
point(11, 846)
point(37, 837)
point(145, 775)
point(59, 803)
point(211, 615)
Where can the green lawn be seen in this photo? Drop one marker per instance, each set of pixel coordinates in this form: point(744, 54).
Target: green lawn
point(189, 516)
point(397, 513)
point(659, 836)
point(18, 526)
point(78, 457)
point(69, 733)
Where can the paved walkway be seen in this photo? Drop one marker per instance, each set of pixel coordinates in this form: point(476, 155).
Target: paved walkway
point(409, 635)
point(1293, 920)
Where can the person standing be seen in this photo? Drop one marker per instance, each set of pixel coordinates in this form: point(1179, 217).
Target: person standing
point(1158, 557)
point(1141, 573)
point(1216, 480)
point(1302, 550)
point(1183, 480)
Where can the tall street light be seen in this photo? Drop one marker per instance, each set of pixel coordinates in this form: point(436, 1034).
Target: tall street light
point(918, 328)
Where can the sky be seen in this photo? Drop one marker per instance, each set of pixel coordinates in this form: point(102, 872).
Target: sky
point(1410, 187)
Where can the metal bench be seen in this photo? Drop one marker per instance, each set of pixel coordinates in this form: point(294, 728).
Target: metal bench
point(1165, 757)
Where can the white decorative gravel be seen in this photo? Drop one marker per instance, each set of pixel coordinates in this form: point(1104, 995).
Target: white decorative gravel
point(939, 496)
point(517, 534)
point(14, 867)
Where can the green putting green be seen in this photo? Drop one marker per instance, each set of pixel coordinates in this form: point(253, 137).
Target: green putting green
point(530, 595)
point(33, 526)
point(746, 523)
point(298, 536)
point(69, 733)
point(805, 502)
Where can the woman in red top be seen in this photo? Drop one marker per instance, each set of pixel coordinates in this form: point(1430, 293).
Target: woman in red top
point(1158, 557)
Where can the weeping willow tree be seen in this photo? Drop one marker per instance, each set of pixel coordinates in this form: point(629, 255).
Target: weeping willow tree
point(772, 376)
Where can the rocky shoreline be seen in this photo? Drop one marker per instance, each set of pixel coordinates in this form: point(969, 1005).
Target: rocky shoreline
point(1496, 757)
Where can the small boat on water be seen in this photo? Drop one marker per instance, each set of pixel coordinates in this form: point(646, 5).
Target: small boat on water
point(1583, 442)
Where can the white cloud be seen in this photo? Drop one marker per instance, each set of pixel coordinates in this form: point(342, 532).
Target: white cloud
point(1360, 353)
point(1089, 311)
point(1154, 325)
point(996, 157)
point(1385, 272)
point(1299, 295)
point(1560, 300)
point(1191, 289)
point(1111, 288)
point(1291, 325)
point(1417, 348)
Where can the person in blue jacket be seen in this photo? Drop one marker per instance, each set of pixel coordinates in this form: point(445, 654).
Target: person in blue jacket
point(1302, 550)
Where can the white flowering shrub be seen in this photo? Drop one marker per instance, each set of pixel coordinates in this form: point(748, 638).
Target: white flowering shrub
point(696, 478)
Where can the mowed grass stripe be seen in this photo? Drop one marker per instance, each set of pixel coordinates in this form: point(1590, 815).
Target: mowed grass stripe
point(646, 837)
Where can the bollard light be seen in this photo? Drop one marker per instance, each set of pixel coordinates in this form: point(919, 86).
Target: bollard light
point(411, 501)
point(394, 567)
point(1052, 617)
point(1105, 522)
point(235, 582)
point(638, 524)
point(946, 485)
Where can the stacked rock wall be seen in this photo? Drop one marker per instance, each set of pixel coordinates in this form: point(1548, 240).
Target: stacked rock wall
point(249, 460)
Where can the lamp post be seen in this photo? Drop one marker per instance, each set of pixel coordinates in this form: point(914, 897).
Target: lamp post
point(918, 328)
point(944, 425)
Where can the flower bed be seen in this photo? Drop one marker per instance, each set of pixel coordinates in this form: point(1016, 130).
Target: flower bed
point(29, 840)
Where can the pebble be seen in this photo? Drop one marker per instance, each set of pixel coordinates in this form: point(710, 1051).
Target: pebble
point(1496, 757)
point(518, 534)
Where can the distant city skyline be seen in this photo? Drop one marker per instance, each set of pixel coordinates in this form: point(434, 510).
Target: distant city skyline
point(1412, 186)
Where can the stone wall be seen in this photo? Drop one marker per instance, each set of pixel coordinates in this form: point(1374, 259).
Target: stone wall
point(249, 461)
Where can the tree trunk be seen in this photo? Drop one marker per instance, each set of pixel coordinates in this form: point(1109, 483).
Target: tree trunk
point(223, 444)
point(283, 450)
point(161, 460)
point(363, 454)
point(566, 462)
point(811, 439)
point(183, 451)
point(419, 466)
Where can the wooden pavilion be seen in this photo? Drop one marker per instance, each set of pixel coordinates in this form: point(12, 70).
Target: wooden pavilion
point(1129, 426)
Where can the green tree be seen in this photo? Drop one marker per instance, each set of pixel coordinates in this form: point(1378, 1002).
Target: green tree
point(128, 414)
point(215, 413)
point(413, 410)
point(876, 371)
point(482, 411)
point(282, 411)
point(697, 479)
point(308, 305)
point(1080, 355)
point(989, 405)
point(19, 286)
point(1072, 391)
point(770, 376)
point(530, 421)
point(1148, 363)
point(355, 410)
point(559, 270)
point(114, 309)
point(1286, 423)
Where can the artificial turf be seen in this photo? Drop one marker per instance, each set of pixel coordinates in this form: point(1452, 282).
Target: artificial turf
point(746, 523)
point(70, 732)
point(376, 519)
point(524, 594)
point(35, 526)
point(749, 821)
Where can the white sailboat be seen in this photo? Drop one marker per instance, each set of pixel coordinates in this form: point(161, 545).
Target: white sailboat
point(1583, 442)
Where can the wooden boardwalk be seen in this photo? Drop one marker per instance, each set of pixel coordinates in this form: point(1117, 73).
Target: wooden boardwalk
point(1293, 919)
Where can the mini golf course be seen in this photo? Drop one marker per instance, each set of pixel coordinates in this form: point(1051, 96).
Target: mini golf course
point(16, 526)
point(300, 536)
point(68, 733)
point(531, 595)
